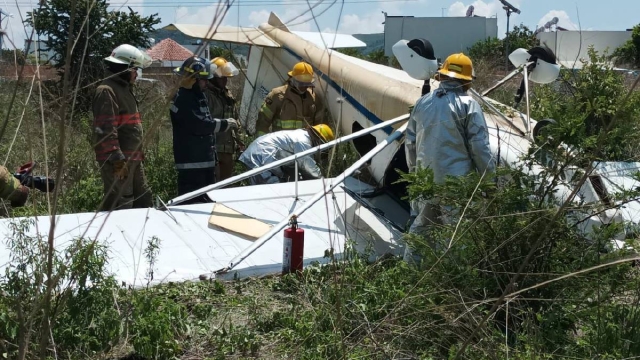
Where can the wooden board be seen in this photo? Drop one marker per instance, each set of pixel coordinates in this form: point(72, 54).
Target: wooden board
point(229, 220)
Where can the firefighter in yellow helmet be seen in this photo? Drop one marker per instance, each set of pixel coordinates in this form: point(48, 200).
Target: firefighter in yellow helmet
point(447, 133)
point(278, 145)
point(293, 105)
point(222, 105)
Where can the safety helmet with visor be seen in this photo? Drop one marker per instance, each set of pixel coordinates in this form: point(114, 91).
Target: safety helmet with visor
point(130, 56)
point(322, 132)
point(302, 75)
point(196, 67)
point(224, 68)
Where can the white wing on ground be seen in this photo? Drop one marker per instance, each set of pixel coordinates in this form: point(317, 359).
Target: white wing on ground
point(190, 247)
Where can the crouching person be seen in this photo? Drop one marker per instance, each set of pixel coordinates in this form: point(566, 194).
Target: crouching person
point(11, 189)
point(280, 144)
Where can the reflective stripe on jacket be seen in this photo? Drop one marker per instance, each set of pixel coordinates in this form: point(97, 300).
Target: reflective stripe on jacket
point(193, 130)
point(117, 126)
point(222, 106)
point(284, 109)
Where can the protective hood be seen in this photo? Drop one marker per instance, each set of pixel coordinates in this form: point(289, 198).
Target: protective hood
point(278, 145)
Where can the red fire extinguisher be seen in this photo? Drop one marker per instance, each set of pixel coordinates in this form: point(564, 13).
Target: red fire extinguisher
point(292, 247)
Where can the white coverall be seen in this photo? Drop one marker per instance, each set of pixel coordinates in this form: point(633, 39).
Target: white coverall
point(447, 132)
point(276, 146)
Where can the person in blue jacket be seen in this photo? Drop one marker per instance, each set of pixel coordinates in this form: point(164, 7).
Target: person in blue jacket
point(194, 129)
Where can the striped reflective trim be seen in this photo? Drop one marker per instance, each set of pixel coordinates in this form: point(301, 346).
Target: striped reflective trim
point(289, 124)
point(117, 120)
point(173, 108)
point(198, 165)
point(266, 111)
point(218, 125)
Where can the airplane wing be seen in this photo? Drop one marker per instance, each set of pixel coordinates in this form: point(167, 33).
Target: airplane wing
point(191, 246)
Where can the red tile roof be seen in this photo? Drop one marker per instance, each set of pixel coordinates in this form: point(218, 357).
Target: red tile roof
point(169, 50)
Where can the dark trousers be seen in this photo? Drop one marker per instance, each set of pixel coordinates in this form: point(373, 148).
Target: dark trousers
point(193, 179)
point(224, 170)
point(132, 192)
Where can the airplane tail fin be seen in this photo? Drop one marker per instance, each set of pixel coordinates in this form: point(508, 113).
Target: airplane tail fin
point(275, 21)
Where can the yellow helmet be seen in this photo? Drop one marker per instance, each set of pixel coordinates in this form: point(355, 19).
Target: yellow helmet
point(458, 66)
point(324, 132)
point(302, 72)
point(224, 68)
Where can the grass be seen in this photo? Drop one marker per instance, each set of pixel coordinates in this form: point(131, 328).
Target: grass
point(344, 310)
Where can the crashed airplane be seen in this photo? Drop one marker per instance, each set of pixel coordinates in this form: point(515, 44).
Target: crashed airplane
point(240, 233)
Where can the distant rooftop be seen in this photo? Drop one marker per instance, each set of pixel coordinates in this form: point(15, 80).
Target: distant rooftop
point(169, 50)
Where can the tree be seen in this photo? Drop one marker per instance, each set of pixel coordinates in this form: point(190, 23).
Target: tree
point(227, 54)
point(96, 32)
point(493, 49)
point(629, 53)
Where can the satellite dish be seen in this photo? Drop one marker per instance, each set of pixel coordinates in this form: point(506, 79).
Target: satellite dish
point(470, 11)
point(416, 57)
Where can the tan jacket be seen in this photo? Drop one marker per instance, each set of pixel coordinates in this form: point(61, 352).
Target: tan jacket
point(117, 126)
point(222, 105)
point(283, 109)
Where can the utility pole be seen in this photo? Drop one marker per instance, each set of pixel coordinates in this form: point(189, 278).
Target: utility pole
point(1, 30)
point(509, 9)
point(506, 40)
point(2, 33)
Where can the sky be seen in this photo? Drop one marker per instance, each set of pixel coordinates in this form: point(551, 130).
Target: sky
point(360, 16)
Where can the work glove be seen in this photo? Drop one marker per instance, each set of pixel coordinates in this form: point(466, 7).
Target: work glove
point(120, 170)
point(232, 124)
point(19, 196)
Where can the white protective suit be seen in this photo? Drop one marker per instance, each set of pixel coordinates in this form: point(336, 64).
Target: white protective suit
point(447, 132)
point(276, 146)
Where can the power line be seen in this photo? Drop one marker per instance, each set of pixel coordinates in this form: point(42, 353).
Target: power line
point(247, 3)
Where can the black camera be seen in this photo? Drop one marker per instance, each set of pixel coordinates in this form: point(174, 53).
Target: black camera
point(42, 183)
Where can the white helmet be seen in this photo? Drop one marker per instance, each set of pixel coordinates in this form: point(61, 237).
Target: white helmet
point(126, 54)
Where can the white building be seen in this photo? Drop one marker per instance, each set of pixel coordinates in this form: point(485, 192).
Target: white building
point(448, 35)
point(572, 46)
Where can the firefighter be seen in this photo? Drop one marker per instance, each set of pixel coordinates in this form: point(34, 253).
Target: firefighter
point(11, 189)
point(194, 142)
point(222, 105)
point(117, 130)
point(446, 132)
point(292, 106)
point(281, 144)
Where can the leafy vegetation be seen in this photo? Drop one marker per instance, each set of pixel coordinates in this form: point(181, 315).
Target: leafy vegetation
point(629, 53)
point(94, 30)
